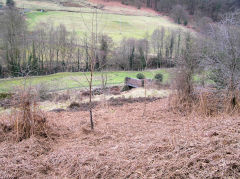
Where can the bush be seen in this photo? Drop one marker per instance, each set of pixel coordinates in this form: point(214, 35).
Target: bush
point(140, 76)
point(5, 95)
point(158, 77)
point(185, 23)
point(28, 118)
point(125, 88)
point(43, 92)
point(74, 105)
point(63, 97)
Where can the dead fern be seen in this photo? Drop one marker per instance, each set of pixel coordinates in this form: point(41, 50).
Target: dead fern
point(28, 118)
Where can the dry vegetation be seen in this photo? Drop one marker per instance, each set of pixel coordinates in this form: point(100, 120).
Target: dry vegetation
point(125, 144)
point(187, 132)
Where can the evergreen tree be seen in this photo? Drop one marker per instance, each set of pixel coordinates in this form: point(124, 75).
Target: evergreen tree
point(34, 64)
point(131, 58)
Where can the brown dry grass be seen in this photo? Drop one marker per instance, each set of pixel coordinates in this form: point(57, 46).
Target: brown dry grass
point(125, 145)
point(26, 117)
point(205, 102)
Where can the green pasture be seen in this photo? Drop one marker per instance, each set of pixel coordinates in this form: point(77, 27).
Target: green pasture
point(69, 80)
point(116, 26)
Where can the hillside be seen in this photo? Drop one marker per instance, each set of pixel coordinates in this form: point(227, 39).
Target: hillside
point(115, 19)
point(135, 89)
point(158, 145)
point(197, 8)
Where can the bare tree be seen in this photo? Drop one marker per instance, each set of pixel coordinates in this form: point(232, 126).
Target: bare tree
point(180, 15)
point(223, 57)
point(14, 33)
point(157, 41)
point(92, 45)
point(187, 64)
point(204, 24)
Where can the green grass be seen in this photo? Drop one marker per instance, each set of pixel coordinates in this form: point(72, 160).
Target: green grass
point(67, 80)
point(116, 26)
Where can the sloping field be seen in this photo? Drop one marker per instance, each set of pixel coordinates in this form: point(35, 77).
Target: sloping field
point(68, 80)
point(114, 25)
point(127, 145)
point(114, 19)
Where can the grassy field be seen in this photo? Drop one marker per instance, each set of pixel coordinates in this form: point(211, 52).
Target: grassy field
point(67, 80)
point(116, 26)
point(114, 21)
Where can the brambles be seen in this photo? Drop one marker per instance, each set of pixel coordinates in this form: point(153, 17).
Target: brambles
point(140, 76)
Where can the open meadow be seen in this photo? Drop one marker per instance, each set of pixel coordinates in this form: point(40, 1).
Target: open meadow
point(116, 26)
point(68, 80)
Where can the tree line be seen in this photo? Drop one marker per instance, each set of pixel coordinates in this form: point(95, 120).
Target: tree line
point(197, 8)
point(49, 49)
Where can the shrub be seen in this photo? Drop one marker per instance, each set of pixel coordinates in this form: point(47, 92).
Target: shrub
point(5, 95)
point(140, 76)
point(158, 77)
point(185, 23)
point(43, 92)
point(74, 105)
point(28, 118)
point(62, 97)
point(125, 88)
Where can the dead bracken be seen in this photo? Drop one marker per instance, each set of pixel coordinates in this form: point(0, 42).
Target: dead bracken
point(126, 144)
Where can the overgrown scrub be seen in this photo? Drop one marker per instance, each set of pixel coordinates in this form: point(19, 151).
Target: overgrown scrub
point(184, 98)
point(222, 57)
point(218, 56)
point(6, 129)
point(27, 118)
point(233, 102)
